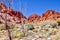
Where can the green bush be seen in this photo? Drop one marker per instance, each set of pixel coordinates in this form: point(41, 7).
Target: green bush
point(58, 21)
point(19, 34)
point(53, 24)
point(29, 27)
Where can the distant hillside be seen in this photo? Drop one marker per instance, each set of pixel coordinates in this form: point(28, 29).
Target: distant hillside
point(15, 16)
point(48, 15)
point(12, 16)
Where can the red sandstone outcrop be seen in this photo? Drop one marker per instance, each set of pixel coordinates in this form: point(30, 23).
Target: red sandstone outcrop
point(48, 15)
point(15, 16)
point(33, 18)
point(10, 15)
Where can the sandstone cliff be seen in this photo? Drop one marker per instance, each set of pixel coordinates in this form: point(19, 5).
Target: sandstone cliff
point(48, 15)
point(15, 16)
point(10, 15)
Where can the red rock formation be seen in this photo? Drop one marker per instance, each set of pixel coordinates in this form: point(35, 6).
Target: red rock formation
point(15, 16)
point(2, 7)
point(12, 16)
point(48, 15)
point(33, 18)
point(51, 15)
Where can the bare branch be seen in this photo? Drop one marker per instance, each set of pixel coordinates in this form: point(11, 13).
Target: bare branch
point(7, 27)
point(10, 3)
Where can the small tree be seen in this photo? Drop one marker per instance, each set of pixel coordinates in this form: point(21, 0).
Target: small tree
point(7, 27)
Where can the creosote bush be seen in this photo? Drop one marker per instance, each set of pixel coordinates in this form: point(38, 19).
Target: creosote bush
point(53, 24)
point(29, 27)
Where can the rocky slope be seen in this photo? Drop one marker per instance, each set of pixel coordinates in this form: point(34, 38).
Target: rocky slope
point(48, 15)
point(10, 15)
point(15, 16)
point(33, 18)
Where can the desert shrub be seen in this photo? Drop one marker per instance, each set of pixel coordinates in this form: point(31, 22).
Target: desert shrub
point(49, 24)
point(58, 21)
point(53, 24)
point(2, 27)
point(29, 27)
point(12, 26)
point(17, 34)
point(46, 30)
point(45, 24)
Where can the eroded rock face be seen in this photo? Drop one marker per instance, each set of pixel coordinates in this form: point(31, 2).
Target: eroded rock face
point(33, 18)
point(48, 15)
point(10, 15)
point(51, 15)
point(2, 7)
point(15, 16)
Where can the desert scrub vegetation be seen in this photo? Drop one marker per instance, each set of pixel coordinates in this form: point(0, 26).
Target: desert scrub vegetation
point(34, 31)
point(2, 27)
point(11, 25)
point(54, 24)
point(4, 35)
point(58, 21)
point(49, 24)
point(17, 34)
point(29, 26)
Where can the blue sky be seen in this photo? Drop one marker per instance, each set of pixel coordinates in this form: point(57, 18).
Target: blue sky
point(29, 7)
